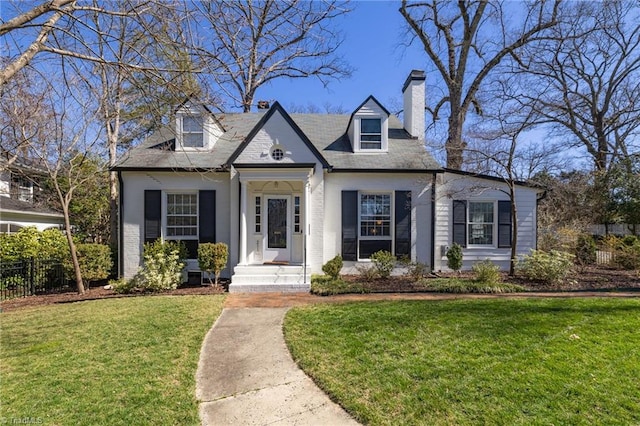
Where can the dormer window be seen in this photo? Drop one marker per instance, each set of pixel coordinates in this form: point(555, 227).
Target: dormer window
point(370, 133)
point(192, 131)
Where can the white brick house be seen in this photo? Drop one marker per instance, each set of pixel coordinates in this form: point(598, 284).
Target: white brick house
point(288, 192)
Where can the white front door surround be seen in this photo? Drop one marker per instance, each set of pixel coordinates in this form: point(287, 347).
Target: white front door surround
point(277, 229)
point(278, 246)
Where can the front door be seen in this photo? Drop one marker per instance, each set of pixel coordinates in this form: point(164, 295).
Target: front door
point(278, 236)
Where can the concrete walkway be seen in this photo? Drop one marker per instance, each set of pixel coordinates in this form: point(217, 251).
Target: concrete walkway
point(246, 376)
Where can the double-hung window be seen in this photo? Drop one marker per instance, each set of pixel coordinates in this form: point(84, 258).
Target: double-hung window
point(375, 215)
point(482, 223)
point(182, 216)
point(192, 131)
point(370, 133)
point(481, 220)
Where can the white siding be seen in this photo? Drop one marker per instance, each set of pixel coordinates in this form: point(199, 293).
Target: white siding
point(135, 183)
point(420, 187)
point(460, 187)
point(25, 219)
point(276, 131)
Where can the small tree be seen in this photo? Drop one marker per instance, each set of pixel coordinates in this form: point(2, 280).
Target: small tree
point(212, 258)
point(454, 257)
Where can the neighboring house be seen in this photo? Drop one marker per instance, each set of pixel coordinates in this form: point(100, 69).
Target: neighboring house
point(18, 198)
point(288, 192)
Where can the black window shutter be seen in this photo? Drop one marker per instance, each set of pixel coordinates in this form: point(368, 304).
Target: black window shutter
point(403, 223)
point(207, 216)
point(350, 225)
point(460, 222)
point(504, 224)
point(152, 215)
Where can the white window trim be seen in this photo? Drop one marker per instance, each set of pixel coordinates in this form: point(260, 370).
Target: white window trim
point(391, 216)
point(165, 214)
point(180, 131)
point(384, 139)
point(494, 233)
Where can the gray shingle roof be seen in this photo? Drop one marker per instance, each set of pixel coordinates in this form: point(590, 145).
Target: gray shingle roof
point(325, 131)
point(11, 204)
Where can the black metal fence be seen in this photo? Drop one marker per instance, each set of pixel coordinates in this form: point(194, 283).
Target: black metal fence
point(30, 277)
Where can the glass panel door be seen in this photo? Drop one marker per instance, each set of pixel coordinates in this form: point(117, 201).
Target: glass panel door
point(277, 225)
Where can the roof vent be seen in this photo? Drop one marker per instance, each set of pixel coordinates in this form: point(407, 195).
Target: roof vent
point(263, 105)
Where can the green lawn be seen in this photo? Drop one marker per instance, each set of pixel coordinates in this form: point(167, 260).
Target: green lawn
point(505, 362)
point(108, 362)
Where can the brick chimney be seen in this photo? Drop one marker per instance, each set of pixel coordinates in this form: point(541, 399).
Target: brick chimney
point(414, 101)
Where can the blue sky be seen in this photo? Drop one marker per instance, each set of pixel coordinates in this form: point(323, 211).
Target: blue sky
point(373, 36)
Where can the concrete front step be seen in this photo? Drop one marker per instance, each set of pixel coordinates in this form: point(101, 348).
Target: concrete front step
point(269, 278)
point(269, 288)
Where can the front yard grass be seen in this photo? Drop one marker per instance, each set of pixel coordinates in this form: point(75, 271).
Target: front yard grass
point(530, 361)
point(108, 362)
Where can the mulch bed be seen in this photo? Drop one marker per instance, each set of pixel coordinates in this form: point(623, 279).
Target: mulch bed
point(99, 292)
point(587, 279)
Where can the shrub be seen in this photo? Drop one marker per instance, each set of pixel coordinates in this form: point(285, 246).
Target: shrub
point(627, 257)
point(333, 267)
point(455, 285)
point(11, 282)
point(123, 285)
point(162, 270)
point(585, 250)
point(324, 285)
point(417, 270)
point(212, 258)
point(28, 243)
point(368, 273)
point(95, 262)
point(486, 272)
point(547, 267)
point(454, 257)
point(384, 263)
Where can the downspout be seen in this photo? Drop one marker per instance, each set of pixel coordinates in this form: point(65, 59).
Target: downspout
point(433, 221)
point(120, 227)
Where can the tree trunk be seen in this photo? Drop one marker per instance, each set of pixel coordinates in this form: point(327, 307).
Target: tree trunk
point(72, 248)
point(455, 146)
point(113, 209)
point(514, 229)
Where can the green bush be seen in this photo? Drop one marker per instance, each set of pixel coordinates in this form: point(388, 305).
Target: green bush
point(11, 282)
point(627, 257)
point(368, 273)
point(454, 285)
point(333, 267)
point(212, 258)
point(324, 285)
point(548, 267)
point(162, 269)
point(123, 286)
point(28, 243)
point(454, 257)
point(585, 250)
point(384, 263)
point(95, 262)
point(486, 272)
point(417, 270)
